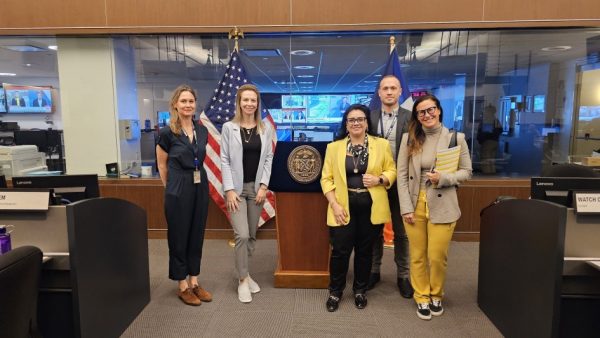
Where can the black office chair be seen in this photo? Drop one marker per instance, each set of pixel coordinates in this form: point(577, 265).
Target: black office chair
point(569, 170)
point(20, 271)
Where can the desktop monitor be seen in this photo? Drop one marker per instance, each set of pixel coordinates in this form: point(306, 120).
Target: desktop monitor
point(163, 118)
point(2, 100)
point(71, 188)
point(560, 189)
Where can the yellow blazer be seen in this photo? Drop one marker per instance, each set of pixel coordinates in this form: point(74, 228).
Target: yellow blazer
point(333, 177)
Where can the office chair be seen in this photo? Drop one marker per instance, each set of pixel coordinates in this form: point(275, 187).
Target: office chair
point(20, 271)
point(569, 170)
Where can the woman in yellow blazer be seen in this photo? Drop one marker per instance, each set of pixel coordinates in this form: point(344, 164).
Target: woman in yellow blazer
point(357, 171)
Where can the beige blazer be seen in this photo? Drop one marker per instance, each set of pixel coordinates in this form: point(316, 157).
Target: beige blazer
point(441, 200)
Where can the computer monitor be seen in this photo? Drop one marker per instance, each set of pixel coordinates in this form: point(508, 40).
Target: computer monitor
point(71, 188)
point(560, 189)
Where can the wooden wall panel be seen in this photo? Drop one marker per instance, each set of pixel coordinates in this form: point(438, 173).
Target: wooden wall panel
point(473, 195)
point(318, 12)
point(178, 16)
point(52, 13)
point(197, 13)
point(149, 194)
point(541, 10)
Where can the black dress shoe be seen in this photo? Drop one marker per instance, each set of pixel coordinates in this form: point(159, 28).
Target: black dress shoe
point(406, 289)
point(333, 303)
point(360, 300)
point(373, 280)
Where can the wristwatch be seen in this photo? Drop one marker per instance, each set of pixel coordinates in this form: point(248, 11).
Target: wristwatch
point(380, 180)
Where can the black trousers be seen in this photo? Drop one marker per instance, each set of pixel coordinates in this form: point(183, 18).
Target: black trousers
point(186, 209)
point(358, 235)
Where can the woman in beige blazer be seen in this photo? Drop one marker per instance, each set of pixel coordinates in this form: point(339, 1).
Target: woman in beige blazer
point(428, 201)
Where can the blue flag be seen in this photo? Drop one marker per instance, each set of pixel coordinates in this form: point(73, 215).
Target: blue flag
point(392, 67)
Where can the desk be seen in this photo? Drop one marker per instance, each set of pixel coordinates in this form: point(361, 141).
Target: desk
point(528, 286)
point(97, 278)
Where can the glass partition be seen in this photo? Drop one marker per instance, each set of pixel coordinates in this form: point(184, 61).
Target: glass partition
point(525, 98)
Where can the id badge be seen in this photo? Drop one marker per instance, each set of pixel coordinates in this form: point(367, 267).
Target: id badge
point(197, 178)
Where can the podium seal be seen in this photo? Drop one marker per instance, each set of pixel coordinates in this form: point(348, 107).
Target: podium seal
point(304, 164)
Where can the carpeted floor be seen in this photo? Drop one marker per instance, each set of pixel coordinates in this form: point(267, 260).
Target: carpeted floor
point(301, 312)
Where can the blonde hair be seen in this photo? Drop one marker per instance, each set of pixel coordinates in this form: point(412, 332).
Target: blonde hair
point(238, 107)
point(175, 121)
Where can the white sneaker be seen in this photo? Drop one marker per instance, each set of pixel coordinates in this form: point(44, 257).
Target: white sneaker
point(244, 294)
point(254, 288)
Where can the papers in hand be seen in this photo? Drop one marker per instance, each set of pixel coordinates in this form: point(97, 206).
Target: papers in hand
point(447, 160)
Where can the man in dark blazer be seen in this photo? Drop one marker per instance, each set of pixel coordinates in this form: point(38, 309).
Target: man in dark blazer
point(40, 101)
point(17, 100)
point(390, 122)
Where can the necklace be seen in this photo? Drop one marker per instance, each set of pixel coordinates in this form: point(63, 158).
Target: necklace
point(359, 152)
point(355, 162)
point(249, 132)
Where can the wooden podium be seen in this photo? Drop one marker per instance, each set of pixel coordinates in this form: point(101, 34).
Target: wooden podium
point(301, 218)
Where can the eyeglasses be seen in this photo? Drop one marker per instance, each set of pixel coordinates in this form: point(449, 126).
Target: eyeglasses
point(356, 120)
point(430, 111)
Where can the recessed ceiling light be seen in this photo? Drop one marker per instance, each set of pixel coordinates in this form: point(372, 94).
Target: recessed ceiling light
point(372, 81)
point(371, 62)
point(305, 76)
point(53, 47)
point(305, 82)
point(304, 67)
point(378, 75)
point(261, 52)
point(302, 52)
point(24, 48)
point(556, 48)
point(8, 74)
point(460, 74)
point(27, 65)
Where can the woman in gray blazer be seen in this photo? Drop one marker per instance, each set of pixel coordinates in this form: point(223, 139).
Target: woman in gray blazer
point(428, 201)
point(246, 158)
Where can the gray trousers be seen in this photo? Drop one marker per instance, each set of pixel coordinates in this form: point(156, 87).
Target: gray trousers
point(401, 256)
point(244, 223)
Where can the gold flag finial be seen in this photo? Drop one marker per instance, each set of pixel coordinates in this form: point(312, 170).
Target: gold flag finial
point(235, 34)
point(392, 43)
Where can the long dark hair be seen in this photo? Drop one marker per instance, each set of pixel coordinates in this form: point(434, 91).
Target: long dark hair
point(416, 134)
point(342, 132)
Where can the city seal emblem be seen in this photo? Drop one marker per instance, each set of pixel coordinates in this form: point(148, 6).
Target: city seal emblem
point(304, 164)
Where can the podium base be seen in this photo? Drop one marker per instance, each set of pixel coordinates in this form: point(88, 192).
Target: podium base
point(301, 279)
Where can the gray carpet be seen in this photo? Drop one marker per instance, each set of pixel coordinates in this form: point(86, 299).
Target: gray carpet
point(301, 312)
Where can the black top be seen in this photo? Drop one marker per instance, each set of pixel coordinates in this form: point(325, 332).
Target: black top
point(355, 179)
point(181, 151)
point(251, 145)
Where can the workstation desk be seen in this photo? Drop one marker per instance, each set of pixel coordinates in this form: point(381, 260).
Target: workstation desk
point(95, 278)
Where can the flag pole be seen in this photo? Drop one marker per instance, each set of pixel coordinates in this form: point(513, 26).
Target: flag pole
point(235, 33)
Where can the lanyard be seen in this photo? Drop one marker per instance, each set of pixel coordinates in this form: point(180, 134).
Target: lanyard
point(196, 161)
point(389, 131)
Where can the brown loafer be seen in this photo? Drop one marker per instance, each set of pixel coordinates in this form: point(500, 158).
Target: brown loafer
point(202, 294)
point(188, 297)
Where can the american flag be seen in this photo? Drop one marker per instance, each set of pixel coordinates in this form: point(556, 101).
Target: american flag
point(392, 67)
point(220, 109)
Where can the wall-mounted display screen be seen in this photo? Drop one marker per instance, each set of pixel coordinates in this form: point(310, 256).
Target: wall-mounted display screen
point(2, 100)
point(315, 108)
point(28, 99)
